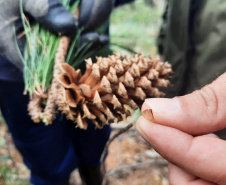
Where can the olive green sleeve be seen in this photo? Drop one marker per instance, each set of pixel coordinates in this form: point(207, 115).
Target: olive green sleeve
point(162, 32)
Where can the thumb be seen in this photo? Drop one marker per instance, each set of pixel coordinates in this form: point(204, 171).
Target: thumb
point(198, 113)
point(52, 15)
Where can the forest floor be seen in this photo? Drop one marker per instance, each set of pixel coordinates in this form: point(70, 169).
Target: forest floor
point(131, 161)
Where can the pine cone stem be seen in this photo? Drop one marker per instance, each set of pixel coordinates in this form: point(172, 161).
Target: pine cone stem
point(34, 108)
point(49, 112)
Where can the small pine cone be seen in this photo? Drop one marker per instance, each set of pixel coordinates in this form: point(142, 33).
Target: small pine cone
point(49, 111)
point(34, 108)
point(111, 89)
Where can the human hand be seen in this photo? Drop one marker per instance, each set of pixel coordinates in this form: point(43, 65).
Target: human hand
point(177, 129)
point(93, 14)
point(50, 13)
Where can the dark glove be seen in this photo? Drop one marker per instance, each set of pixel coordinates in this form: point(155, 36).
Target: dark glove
point(122, 2)
point(96, 39)
point(50, 13)
point(93, 13)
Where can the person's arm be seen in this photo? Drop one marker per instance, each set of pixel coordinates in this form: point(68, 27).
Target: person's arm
point(177, 129)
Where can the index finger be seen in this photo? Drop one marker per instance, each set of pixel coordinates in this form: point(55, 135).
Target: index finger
point(198, 113)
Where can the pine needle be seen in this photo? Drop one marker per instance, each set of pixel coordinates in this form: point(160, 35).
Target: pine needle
point(137, 113)
point(39, 52)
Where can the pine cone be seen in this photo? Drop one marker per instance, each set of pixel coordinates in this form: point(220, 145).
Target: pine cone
point(111, 89)
point(34, 108)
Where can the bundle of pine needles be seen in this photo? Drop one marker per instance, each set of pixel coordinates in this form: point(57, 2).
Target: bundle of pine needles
point(43, 54)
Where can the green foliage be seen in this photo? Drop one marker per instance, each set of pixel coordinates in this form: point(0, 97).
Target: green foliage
point(9, 171)
point(39, 56)
point(9, 176)
point(134, 28)
point(3, 168)
point(1, 120)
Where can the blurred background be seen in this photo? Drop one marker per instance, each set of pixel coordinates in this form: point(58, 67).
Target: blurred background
point(133, 29)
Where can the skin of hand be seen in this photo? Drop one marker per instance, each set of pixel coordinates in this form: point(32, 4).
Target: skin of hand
point(177, 129)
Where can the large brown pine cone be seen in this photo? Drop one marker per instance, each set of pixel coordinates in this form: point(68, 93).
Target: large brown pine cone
point(111, 89)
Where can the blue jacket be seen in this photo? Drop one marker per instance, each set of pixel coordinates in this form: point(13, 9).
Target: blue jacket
point(9, 72)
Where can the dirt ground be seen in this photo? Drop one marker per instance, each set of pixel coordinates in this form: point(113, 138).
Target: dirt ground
point(12, 169)
point(131, 161)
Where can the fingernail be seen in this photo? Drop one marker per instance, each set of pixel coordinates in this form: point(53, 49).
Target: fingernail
point(162, 105)
point(148, 114)
point(211, 135)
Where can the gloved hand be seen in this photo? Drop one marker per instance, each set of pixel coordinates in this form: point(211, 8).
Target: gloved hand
point(53, 16)
point(93, 13)
point(50, 13)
